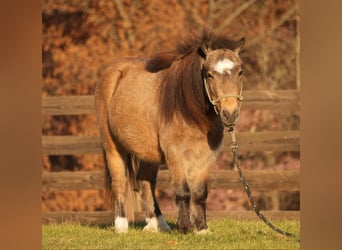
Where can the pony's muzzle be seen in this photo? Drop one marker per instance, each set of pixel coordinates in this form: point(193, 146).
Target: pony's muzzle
point(229, 118)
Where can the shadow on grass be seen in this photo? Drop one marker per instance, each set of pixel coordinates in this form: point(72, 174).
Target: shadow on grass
point(139, 225)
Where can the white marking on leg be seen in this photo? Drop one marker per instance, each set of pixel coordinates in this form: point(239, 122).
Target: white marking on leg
point(121, 224)
point(224, 65)
point(152, 225)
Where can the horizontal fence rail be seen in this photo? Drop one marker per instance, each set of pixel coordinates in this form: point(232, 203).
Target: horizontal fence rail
point(258, 141)
point(260, 180)
point(257, 99)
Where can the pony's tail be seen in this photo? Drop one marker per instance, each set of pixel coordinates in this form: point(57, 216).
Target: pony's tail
point(131, 198)
point(132, 201)
point(109, 196)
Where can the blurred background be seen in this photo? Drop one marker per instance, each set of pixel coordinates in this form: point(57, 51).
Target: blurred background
point(81, 37)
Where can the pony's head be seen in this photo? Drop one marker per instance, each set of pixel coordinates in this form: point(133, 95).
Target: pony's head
point(222, 79)
point(202, 74)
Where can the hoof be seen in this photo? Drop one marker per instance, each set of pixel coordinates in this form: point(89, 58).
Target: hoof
point(163, 226)
point(156, 224)
point(121, 225)
point(184, 230)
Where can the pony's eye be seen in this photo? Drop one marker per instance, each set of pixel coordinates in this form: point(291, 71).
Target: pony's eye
point(210, 76)
point(240, 72)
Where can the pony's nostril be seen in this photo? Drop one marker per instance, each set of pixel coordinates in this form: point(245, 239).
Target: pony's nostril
point(226, 114)
point(228, 117)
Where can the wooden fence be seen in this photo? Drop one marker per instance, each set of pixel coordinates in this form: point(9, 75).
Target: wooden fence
point(259, 180)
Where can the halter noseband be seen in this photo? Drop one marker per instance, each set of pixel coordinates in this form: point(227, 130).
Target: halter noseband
point(214, 102)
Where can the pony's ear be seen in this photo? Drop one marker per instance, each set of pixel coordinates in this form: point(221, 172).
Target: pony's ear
point(239, 45)
point(201, 52)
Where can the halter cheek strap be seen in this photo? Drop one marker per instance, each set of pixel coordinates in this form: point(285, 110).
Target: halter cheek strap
point(214, 102)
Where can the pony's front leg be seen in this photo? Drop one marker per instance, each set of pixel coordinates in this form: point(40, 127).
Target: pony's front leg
point(199, 193)
point(197, 176)
point(182, 197)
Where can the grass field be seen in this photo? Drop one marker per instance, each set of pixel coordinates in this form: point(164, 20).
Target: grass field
point(225, 234)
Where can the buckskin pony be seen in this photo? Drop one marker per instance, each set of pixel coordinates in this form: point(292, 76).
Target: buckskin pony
point(169, 109)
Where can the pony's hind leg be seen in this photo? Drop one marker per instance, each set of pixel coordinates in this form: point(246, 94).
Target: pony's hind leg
point(118, 188)
point(116, 180)
point(114, 160)
point(146, 177)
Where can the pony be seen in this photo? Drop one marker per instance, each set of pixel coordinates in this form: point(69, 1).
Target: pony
point(169, 109)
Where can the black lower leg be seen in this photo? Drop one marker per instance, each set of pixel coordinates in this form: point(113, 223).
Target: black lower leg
point(198, 208)
point(199, 216)
point(157, 211)
point(182, 197)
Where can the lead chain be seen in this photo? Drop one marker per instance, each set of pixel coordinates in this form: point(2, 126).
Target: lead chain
point(234, 148)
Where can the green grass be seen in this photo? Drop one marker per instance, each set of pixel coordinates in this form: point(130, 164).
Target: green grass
point(225, 234)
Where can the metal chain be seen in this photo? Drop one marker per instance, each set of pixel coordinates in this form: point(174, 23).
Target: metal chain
point(234, 148)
